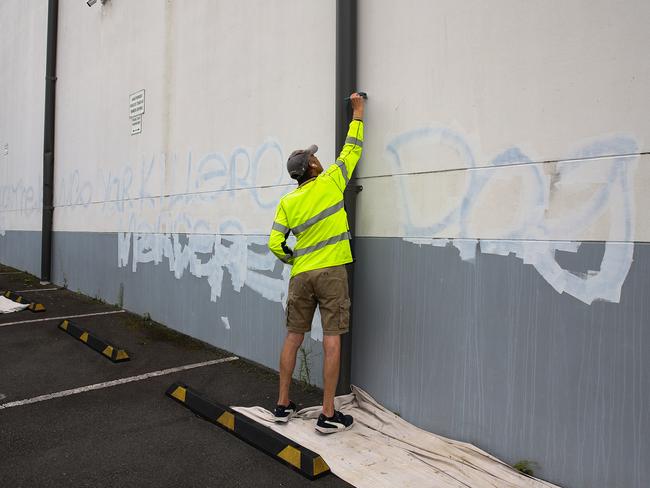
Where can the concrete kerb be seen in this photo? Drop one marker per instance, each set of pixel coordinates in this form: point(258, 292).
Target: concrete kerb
point(306, 462)
point(30, 290)
point(106, 349)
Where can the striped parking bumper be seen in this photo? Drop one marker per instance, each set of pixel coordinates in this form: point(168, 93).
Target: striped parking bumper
point(299, 458)
point(107, 350)
point(33, 306)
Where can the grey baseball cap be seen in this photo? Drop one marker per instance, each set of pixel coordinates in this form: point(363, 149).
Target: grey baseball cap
point(298, 161)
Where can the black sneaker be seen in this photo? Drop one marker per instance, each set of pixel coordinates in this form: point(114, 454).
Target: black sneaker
point(336, 423)
point(283, 414)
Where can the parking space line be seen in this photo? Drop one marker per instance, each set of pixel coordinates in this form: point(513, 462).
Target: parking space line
point(36, 289)
point(108, 384)
point(62, 317)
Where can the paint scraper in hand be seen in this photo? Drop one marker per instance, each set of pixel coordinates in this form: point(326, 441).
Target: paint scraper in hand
point(363, 94)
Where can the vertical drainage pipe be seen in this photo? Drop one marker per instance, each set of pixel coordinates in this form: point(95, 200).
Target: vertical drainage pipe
point(346, 80)
point(48, 141)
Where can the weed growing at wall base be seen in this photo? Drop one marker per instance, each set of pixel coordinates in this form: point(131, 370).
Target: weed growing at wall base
point(526, 466)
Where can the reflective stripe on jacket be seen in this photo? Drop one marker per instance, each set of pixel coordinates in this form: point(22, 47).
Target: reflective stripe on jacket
point(315, 214)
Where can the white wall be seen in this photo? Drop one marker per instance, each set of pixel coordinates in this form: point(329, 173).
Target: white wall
point(22, 94)
point(458, 85)
point(230, 91)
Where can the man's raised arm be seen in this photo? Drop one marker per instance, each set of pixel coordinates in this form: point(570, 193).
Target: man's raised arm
point(347, 161)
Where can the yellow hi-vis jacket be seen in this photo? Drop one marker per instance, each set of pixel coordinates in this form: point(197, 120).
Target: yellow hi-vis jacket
point(315, 214)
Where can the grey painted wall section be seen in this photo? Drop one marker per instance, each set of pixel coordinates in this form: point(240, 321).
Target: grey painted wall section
point(21, 249)
point(88, 262)
point(487, 352)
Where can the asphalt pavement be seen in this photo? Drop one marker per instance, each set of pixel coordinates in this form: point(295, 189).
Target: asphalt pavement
point(130, 433)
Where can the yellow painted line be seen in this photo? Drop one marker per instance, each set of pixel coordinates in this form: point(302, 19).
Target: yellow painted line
point(180, 393)
point(121, 354)
point(291, 455)
point(320, 466)
point(227, 419)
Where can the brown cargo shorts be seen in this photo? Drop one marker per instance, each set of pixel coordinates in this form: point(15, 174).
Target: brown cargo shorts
point(325, 287)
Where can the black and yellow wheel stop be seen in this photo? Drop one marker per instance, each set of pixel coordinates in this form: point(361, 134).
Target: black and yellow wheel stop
point(110, 351)
point(33, 306)
point(299, 458)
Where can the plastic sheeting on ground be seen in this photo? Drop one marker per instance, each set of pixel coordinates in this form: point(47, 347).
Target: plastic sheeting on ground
point(8, 306)
point(383, 450)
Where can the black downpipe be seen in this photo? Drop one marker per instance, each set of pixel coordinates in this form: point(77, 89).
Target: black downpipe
point(346, 80)
point(48, 141)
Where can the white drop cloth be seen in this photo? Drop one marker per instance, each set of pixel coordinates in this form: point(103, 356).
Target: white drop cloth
point(383, 450)
point(8, 306)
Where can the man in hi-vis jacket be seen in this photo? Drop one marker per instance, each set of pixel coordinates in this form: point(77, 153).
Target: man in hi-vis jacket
point(315, 214)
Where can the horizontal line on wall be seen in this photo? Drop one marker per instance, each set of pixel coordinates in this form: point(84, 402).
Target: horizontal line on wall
point(406, 238)
point(211, 234)
point(172, 195)
point(36, 209)
point(499, 239)
point(509, 165)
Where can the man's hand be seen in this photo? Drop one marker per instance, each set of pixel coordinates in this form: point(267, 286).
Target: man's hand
point(358, 104)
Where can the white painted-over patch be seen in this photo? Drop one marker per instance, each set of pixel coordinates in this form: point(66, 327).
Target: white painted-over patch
point(226, 322)
point(317, 327)
point(246, 260)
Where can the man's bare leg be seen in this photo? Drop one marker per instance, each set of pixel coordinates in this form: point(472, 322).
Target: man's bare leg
point(287, 364)
point(331, 365)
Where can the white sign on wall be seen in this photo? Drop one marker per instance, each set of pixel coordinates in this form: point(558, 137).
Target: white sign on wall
point(136, 103)
point(136, 124)
point(136, 110)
